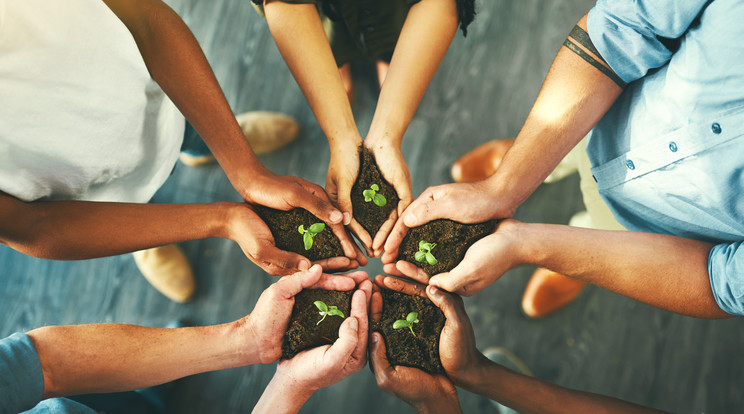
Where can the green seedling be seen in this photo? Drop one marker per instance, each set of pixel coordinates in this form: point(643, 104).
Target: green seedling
point(372, 195)
point(327, 310)
point(424, 253)
point(312, 231)
point(408, 322)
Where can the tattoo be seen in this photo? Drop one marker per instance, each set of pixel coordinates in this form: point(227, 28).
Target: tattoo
point(582, 37)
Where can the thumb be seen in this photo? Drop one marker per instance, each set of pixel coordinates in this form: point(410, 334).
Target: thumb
point(338, 354)
point(447, 281)
point(378, 358)
point(431, 204)
point(321, 208)
point(444, 301)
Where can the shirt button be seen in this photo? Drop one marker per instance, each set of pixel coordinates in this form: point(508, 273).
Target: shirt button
point(716, 128)
point(673, 146)
point(630, 165)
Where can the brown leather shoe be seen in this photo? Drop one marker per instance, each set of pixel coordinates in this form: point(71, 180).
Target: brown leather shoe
point(167, 270)
point(549, 291)
point(481, 161)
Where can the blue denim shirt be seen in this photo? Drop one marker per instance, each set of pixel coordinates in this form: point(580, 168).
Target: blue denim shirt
point(22, 381)
point(668, 157)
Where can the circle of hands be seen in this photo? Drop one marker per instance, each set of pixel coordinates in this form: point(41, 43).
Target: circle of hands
point(484, 262)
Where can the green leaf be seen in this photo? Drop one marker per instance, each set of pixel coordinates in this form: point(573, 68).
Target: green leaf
point(308, 239)
point(422, 243)
point(428, 247)
point(321, 305)
point(380, 200)
point(420, 256)
point(400, 323)
point(316, 228)
point(301, 229)
point(412, 317)
point(336, 312)
point(431, 259)
point(374, 187)
point(368, 195)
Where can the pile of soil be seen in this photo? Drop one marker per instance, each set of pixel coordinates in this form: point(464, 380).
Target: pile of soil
point(420, 351)
point(453, 239)
point(302, 332)
point(284, 225)
point(367, 213)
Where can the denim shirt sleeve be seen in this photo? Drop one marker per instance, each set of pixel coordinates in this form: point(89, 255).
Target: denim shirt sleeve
point(21, 378)
point(726, 272)
point(630, 34)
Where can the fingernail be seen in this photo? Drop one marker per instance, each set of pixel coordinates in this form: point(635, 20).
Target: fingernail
point(315, 267)
point(354, 324)
point(304, 265)
point(432, 290)
point(409, 220)
point(375, 338)
point(347, 218)
point(336, 216)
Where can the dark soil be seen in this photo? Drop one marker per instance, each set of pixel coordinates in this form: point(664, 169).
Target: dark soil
point(284, 225)
point(421, 351)
point(452, 238)
point(302, 332)
point(369, 214)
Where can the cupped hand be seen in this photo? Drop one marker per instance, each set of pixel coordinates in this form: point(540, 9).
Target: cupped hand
point(484, 262)
point(320, 367)
point(394, 170)
point(465, 202)
point(425, 392)
point(287, 192)
point(267, 323)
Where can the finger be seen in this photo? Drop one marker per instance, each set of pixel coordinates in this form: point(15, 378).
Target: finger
point(344, 195)
point(409, 288)
point(333, 264)
point(375, 306)
point(362, 235)
point(391, 270)
point(366, 287)
point(347, 245)
point(360, 256)
point(316, 201)
point(378, 361)
point(393, 241)
point(382, 234)
point(451, 305)
point(359, 311)
point(412, 271)
point(288, 286)
point(338, 354)
point(431, 204)
point(334, 282)
point(358, 277)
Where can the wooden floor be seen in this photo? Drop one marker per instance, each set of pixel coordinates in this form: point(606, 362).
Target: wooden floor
point(484, 89)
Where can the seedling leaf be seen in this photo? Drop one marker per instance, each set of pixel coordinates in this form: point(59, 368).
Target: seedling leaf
point(431, 259)
point(307, 238)
point(399, 324)
point(380, 200)
point(301, 229)
point(374, 187)
point(412, 317)
point(316, 228)
point(321, 305)
point(420, 256)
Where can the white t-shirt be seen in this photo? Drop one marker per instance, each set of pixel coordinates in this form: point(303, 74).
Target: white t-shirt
point(80, 117)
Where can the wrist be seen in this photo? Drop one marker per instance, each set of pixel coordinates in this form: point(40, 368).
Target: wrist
point(282, 395)
point(226, 217)
point(444, 402)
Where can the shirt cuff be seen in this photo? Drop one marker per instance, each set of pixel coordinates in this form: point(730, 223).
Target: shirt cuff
point(21, 378)
point(726, 272)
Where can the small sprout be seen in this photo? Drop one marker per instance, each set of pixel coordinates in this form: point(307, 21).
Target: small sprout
point(327, 310)
point(312, 231)
point(372, 195)
point(424, 253)
point(411, 318)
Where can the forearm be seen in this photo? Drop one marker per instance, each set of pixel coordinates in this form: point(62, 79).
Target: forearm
point(445, 403)
point(314, 68)
point(177, 63)
point(664, 271)
point(73, 230)
point(423, 42)
point(113, 357)
point(573, 98)
point(530, 395)
point(282, 396)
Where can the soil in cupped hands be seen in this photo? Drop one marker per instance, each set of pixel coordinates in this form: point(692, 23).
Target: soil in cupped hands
point(452, 240)
point(284, 227)
point(403, 348)
point(303, 331)
point(367, 213)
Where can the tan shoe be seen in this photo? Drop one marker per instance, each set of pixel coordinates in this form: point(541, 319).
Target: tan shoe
point(167, 270)
point(267, 131)
point(196, 160)
point(481, 161)
point(549, 291)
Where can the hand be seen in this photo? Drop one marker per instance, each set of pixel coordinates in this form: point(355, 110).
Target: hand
point(464, 202)
point(320, 367)
point(266, 325)
point(393, 167)
point(286, 193)
point(425, 392)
